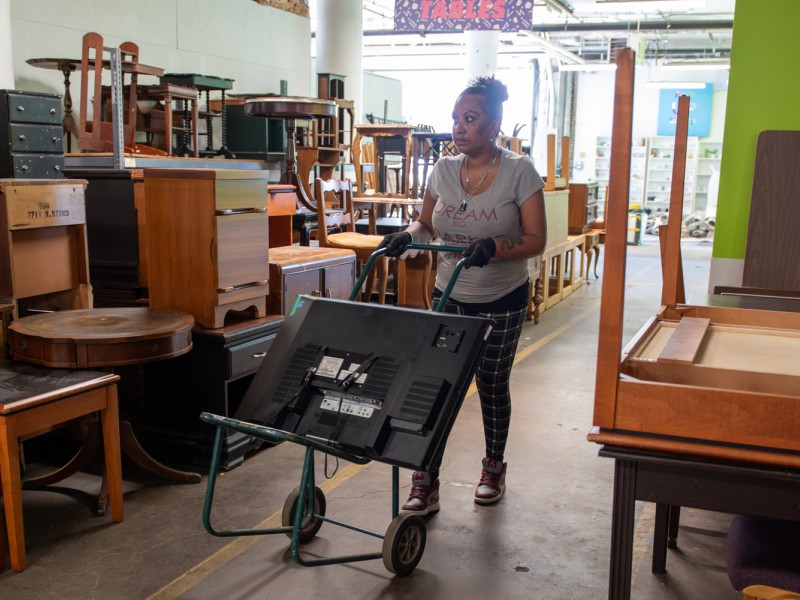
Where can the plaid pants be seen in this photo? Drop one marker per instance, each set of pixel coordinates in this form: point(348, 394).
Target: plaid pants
point(493, 375)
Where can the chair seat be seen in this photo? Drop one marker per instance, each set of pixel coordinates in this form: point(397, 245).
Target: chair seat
point(358, 242)
point(763, 551)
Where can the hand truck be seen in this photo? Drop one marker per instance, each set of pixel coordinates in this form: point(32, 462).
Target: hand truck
point(305, 507)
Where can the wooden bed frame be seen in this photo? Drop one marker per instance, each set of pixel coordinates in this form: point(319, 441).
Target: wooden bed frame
point(706, 381)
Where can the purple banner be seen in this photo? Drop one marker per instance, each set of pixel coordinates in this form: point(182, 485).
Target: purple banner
point(463, 15)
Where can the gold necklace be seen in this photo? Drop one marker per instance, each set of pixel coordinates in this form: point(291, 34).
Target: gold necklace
point(478, 185)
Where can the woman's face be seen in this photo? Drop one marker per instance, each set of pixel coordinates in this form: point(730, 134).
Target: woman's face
point(473, 128)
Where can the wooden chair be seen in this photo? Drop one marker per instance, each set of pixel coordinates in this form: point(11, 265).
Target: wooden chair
point(96, 134)
point(35, 400)
point(363, 244)
point(767, 592)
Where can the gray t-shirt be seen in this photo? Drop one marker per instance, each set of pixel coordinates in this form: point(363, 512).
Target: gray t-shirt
point(492, 213)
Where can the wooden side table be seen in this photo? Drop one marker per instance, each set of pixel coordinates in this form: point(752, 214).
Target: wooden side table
point(110, 338)
point(33, 401)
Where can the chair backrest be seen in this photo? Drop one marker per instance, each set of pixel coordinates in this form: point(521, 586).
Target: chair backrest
point(340, 193)
point(97, 134)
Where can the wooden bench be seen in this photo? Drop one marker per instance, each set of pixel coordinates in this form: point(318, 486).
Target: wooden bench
point(560, 274)
point(35, 400)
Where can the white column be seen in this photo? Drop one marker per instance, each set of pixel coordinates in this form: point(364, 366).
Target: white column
point(6, 61)
point(339, 33)
point(481, 53)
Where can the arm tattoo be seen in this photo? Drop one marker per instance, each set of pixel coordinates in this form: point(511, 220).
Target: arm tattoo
point(508, 243)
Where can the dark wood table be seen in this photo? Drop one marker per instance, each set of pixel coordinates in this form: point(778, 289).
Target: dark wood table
point(290, 109)
point(108, 338)
point(675, 480)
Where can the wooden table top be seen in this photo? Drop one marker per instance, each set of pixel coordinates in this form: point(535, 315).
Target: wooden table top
point(100, 337)
point(74, 64)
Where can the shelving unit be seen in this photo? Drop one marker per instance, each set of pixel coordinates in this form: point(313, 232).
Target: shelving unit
point(636, 190)
point(659, 173)
point(709, 158)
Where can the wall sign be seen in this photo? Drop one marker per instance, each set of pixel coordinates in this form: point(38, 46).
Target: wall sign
point(463, 15)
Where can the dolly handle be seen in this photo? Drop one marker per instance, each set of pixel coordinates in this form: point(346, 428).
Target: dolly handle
point(433, 248)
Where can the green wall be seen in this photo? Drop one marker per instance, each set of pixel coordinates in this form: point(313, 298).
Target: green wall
point(763, 93)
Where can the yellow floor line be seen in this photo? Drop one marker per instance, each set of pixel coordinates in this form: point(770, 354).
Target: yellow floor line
point(224, 555)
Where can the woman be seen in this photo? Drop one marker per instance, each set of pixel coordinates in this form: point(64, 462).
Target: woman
point(490, 201)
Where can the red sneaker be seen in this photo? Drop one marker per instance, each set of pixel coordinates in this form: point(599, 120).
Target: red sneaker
point(424, 496)
point(493, 482)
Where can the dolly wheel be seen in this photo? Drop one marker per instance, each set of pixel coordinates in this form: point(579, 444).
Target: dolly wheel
point(404, 543)
point(310, 525)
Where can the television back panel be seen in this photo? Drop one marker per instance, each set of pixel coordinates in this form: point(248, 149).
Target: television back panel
point(381, 382)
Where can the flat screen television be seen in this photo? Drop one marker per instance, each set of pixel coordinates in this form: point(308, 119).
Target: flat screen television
point(380, 382)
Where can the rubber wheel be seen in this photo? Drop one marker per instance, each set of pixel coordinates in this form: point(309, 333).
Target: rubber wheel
point(404, 543)
point(310, 525)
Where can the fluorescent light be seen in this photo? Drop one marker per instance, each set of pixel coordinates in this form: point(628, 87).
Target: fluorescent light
point(646, 5)
point(696, 65)
point(677, 85)
point(589, 67)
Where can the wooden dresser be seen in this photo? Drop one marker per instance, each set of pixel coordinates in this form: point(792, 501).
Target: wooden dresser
point(582, 207)
point(207, 242)
point(31, 138)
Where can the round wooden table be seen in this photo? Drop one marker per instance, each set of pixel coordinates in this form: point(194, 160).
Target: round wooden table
point(106, 338)
point(100, 337)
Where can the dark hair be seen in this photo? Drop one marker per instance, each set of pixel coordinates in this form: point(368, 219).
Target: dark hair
point(493, 91)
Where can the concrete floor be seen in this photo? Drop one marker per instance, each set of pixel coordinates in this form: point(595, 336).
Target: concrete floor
point(547, 539)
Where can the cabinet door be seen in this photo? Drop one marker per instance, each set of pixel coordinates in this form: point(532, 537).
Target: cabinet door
point(339, 280)
point(302, 282)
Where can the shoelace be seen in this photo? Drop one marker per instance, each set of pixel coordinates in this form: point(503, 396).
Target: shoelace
point(490, 479)
point(419, 492)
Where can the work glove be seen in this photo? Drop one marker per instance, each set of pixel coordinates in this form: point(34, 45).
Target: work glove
point(479, 252)
point(395, 243)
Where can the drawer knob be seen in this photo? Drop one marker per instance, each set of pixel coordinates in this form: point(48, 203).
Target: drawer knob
point(20, 108)
point(56, 139)
point(52, 111)
point(22, 138)
point(24, 167)
point(259, 355)
point(57, 168)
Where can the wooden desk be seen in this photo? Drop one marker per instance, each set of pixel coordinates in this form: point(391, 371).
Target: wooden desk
point(672, 480)
point(104, 337)
point(35, 400)
point(381, 131)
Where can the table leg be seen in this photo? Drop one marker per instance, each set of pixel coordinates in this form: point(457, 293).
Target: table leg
point(596, 259)
point(12, 492)
point(622, 525)
point(90, 434)
point(674, 521)
point(660, 538)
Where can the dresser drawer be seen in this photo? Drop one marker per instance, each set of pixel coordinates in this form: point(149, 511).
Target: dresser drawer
point(26, 137)
point(37, 166)
point(24, 108)
point(242, 248)
point(246, 358)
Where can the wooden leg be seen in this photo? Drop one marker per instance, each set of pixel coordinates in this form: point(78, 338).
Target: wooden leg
point(90, 432)
point(113, 454)
point(3, 538)
point(538, 298)
point(660, 538)
point(622, 525)
point(10, 477)
point(596, 259)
